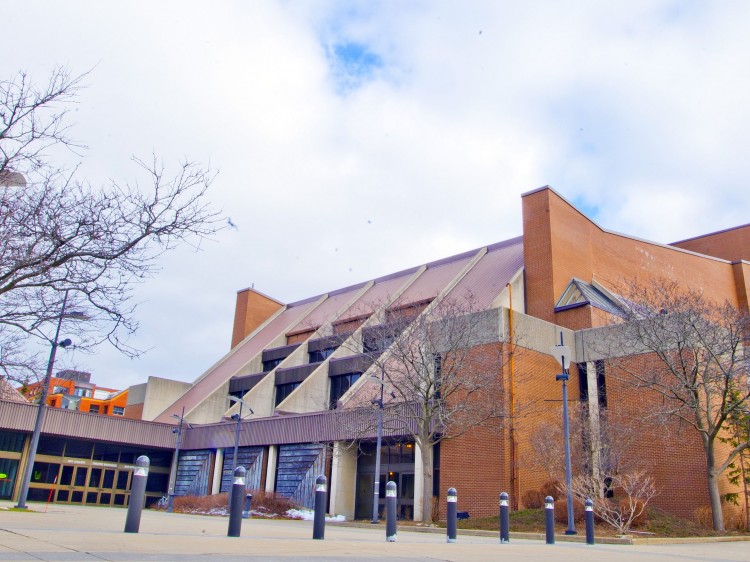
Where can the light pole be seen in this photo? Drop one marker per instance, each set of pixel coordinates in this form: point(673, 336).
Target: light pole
point(238, 418)
point(173, 480)
point(378, 445)
point(562, 354)
point(43, 400)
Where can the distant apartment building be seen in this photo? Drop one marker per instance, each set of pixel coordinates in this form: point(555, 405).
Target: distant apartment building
point(73, 390)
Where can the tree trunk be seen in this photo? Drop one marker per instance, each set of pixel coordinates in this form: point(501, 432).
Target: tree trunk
point(713, 488)
point(426, 454)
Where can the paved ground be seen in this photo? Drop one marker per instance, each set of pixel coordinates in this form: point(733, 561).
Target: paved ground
point(78, 533)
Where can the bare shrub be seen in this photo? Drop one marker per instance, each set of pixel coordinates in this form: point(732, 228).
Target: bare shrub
point(561, 510)
point(552, 488)
point(703, 516)
point(632, 492)
point(533, 499)
point(264, 504)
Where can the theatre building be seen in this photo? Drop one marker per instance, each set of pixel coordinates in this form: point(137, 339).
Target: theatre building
point(305, 371)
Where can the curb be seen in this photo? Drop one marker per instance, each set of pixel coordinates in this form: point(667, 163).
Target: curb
point(581, 538)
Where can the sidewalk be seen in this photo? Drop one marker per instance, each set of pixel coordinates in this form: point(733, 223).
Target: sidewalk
point(79, 533)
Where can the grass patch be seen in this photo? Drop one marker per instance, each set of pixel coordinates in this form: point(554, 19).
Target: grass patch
point(657, 524)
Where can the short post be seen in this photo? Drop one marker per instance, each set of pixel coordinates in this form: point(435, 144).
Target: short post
point(390, 511)
point(504, 518)
point(549, 519)
point(452, 514)
point(235, 511)
point(589, 521)
point(319, 523)
point(137, 494)
point(246, 511)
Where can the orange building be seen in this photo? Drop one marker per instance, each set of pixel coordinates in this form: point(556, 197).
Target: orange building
point(73, 390)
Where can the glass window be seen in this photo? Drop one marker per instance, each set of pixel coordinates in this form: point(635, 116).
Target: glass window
point(44, 472)
point(67, 475)
point(81, 475)
point(63, 495)
point(339, 385)
point(118, 411)
point(321, 354)
point(270, 365)
point(122, 480)
point(52, 446)
point(104, 452)
point(79, 449)
point(94, 408)
point(157, 482)
point(11, 441)
point(284, 390)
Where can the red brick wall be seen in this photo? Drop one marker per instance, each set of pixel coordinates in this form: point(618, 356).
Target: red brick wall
point(561, 243)
point(732, 244)
point(250, 311)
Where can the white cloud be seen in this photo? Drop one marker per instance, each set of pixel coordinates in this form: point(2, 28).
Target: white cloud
point(635, 110)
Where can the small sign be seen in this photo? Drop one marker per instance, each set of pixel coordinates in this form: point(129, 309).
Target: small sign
point(549, 506)
point(3, 476)
point(320, 487)
point(589, 508)
point(452, 499)
point(140, 471)
point(390, 493)
point(503, 503)
point(239, 480)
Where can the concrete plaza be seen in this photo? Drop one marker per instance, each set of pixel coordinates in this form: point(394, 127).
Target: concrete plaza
point(77, 533)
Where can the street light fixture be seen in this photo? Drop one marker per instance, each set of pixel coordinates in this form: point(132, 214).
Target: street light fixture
point(379, 443)
point(55, 343)
point(562, 354)
point(238, 418)
point(172, 481)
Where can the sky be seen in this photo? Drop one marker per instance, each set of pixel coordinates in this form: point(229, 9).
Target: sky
point(356, 139)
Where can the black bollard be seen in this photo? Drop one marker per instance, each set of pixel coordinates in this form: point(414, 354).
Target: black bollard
point(549, 519)
point(504, 518)
point(452, 514)
point(319, 523)
point(235, 511)
point(589, 521)
point(390, 511)
point(246, 511)
point(137, 494)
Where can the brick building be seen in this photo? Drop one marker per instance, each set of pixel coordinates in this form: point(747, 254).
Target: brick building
point(303, 369)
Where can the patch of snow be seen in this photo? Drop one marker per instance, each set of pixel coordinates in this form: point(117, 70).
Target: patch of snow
point(309, 515)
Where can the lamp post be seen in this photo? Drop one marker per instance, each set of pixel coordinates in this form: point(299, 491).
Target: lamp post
point(378, 445)
point(562, 354)
point(172, 481)
point(238, 418)
point(43, 399)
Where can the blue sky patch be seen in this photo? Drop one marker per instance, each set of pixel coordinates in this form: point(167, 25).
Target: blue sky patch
point(352, 64)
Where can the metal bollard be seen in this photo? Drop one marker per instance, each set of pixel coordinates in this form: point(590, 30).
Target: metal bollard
point(246, 511)
point(452, 514)
point(504, 518)
point(319, 523)
point(390, 511)
point(137, 494)
point(589, 521)
point(235, 511)
point(549, 519)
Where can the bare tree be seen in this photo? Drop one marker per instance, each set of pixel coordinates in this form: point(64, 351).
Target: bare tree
point(622, 501)
point(691, 352)
point(59, 235)
point(440, 369)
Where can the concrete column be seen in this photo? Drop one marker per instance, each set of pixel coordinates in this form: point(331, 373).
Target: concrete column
point(418, 483)
point(343, 486)
point(594, 424)
point(273, 459)
point(216, 479)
